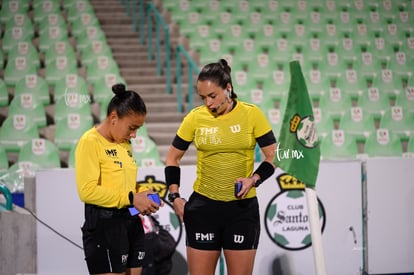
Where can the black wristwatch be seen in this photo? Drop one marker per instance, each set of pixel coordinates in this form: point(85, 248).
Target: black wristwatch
point(173, 196)
point(131, 197)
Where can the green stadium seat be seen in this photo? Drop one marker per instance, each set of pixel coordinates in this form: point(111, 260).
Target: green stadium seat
point(391, 29)
point(358, 123)
point(347, 45)
point(4, 94)
point(362, 30)
point(74, 8)
point(50, 35)
point(324, 122)
point(316, 82)
point(42, 152)
point(264, 37)
point(372, 99)
point(72, 84)
point(83, 21)
point(379, 45)
point(72, 103)
point(59, 48)
point(211, 52)
point(353, 82)
point(279, 82)
point(10, 8)
point(338, 145)
point(314, 48)
point(89, 34)
point(71, 157)
point(14, 35)
point(234, 36)
point(93, 50)
point(410, 147)
point(284, 21)
point(16, 130)
point(387, 79)
point(53, 19)
point(4, 161)
point(401, 63)
point(103, 87)
point(104, 106)
point(398, 120)
point(69, 130)
point(35, 85)
point(335, 101)
point(253, 22)
point(16, 69)
point(25, 49)
point(145, 151)
point(2, 59)
point(188, 20)
point(383, 143)
point(368, 64)
point(56, 71)
point(334, 65)
point(101, 66)
point(21, 20)
point(281, 50)
point(260, 69)
point(405, 98)
point(28, 50)
point(273, 108)
point(375, 17)
point(28, 104)
point(42, 8)
point(408, 42)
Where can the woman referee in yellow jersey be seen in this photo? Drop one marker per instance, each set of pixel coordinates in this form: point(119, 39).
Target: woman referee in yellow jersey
point(113, 237)
point(225, 132)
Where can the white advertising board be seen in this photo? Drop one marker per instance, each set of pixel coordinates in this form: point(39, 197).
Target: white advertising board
point(285, 245)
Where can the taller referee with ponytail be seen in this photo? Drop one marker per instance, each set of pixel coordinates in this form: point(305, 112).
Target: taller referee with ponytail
point(225, 132)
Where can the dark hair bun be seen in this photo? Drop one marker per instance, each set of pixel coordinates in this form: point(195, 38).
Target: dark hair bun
point(118, 88)
point(225, 65)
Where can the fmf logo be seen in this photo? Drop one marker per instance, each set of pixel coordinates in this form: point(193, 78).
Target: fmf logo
point(286, 216)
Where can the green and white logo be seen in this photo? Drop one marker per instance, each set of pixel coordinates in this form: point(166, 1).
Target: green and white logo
point(286, 216)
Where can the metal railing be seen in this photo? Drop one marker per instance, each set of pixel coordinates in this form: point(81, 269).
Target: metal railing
point(9, 200)
point(159, 22)
point(148, 13)
point(192, 68)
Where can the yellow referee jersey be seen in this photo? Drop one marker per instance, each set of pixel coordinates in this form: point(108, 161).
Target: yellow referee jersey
point(225, 147)
point(105, 172)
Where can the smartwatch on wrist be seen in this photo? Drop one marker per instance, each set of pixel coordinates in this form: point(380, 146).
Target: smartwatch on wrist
point(173, 196)
point(131, 197)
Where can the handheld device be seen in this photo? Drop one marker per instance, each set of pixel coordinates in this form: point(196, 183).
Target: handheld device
point(237, 188)
point(154, 197)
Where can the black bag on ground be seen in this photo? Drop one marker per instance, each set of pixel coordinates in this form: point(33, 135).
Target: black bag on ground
point(160, 247)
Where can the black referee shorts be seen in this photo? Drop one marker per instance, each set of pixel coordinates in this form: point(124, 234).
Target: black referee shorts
point(213, 225)
point(113, 240)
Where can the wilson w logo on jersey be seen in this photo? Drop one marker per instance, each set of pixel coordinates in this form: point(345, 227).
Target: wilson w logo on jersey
point(235, 128)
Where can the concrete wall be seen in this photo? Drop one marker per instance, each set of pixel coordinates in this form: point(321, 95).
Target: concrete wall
point(18, 236)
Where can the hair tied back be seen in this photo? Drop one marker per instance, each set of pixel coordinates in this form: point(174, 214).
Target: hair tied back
point(118, 88)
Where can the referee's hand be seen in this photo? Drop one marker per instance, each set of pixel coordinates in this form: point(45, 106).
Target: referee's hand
point(144, 204)
point(179, 207)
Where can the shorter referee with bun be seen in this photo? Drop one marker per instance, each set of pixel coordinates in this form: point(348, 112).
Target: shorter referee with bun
point(113, 236)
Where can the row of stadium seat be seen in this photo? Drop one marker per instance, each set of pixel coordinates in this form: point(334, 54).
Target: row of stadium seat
point(55, 64)
point(357, 58)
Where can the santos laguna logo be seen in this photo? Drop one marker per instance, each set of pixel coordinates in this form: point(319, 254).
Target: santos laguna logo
point(286, 216)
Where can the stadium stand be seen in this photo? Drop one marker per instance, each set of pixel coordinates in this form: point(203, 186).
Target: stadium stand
point(364, 52)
